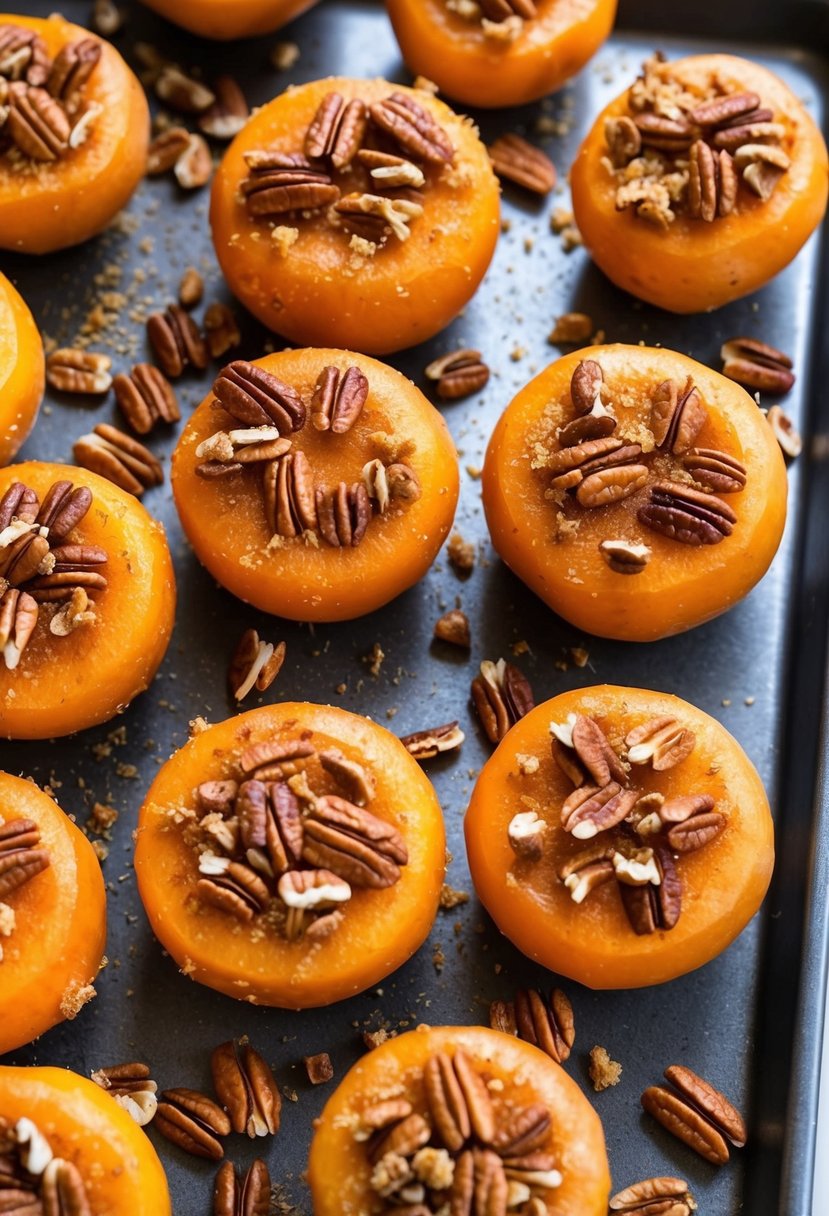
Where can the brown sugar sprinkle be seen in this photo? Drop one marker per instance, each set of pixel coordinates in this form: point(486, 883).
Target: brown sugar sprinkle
point(458, 374)
point(756, 365)
point(678, 485)
point(295, 506)
point(275, 844)
point(340, 140)
point(670, 1196)
point(41, 569)
point(319, 1068)
point(518, 161)
point(604, 1072)
point(636, 841)
point(502, 695)
point(679, 151)
point(145, 398)
point(255, 664)
point(42, 99)
point(115, 455)
point(78, 371)
point(696, 1113)
point(468, 1141)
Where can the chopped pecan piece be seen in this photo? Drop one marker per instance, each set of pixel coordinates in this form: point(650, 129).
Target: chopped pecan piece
point(278, 183)
point(356, 781)
point(235, 1195)
point(390, 172)
point(453, 627)
point(231, 887)
point(501, 695)
point(246, 1088)
point(413, 128)
point(190, 288)
point(256, 398)
point(308, 893)
point(176, 341)
point(375, 217)
point(458, 374)
point(182, 92)
point(18, 618)
point(757, 365)
point(337, 130)
point(654, 906)
point(526, 834)
point(193, 1122)
point(221, 329)
point(425, 744)
point(591, 809)
point(353, 843)
point(166, 150)
point(118, 457)
point(338, 399)
point(319, 1068)
point(145, 397)
point(663, 741)
point(521, 162)
point(625, 557)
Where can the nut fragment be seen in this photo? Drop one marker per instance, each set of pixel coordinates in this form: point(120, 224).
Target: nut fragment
point(458, 374)
point(526, 832)
point(625, 557)
point(521, 162)
point(166, 149)
point(221, 329)
point(785, 432)
point(453, 627)
point(255, 664)
point(132, 1088)
point(78, 371)
point(182, 92)
point(605, 1073)
point(571, 327)
point(319, 1068)
point(193, 168)
point(425, 744)
point(229, 112)
point(191, 288)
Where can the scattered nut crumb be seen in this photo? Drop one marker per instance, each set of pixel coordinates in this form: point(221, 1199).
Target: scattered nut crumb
point(451, 898)
point(374, 659)
point(604, 1072)
point(319, 1068)
point(284, 55)
point(461, 554)
point(453, 627)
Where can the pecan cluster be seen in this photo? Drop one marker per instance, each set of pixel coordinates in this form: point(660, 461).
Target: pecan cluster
point(466, 1153)
point(500, 20)
point(42, 108)
point(292, 837)
point(365, 164)
point(679, 485)
point(678, 152)
point(22, 856)
point(33, 1180)
point(295, 505)
point(638, 838)
point(39, 565)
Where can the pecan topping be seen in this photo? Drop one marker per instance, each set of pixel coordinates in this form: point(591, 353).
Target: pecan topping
point(700, 1116)
point(306, 892)
point(229, 112)
point(757, 365)
point(278, 183)
point(118, 457)
point(376, 217)
point(586, 386)
point(256, 398)
point(234, 1195)
point(669, 1196)
point(337, 130)
point(591, 809)
point(389, 172)
point(193, 1122)
point(716, 471)
point(343, 514)
point(176, 341)
point(255, 664)
point(521, 162)
point(18, 618)
point(526, 834)
point(714, 1105)
point(413, 128)
point(246, 1088)
point(63, 1190)
point(501, 695)
point(459, 1102)
point(593, 749)
point(145, 397)
point(338, 399)
point(21, 854)
point(131, 1087)
point(355, 780)
point(624, 556)
point(785, 432)
point(662, 741)
point(453, 627)
point(686, 515)
point(674, 154)
point(425, 744)
point(231, 887)
point(36, 123)
point(290, 499)
point(458, 374)
point(73, 65)
point(650, 906)
point(78, 371)
point(353, 843)
point(23, 55)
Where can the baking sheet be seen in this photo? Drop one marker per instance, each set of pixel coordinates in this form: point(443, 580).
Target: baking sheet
point(759, 670)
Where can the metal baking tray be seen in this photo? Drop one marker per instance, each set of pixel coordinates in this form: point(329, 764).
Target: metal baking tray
point(751, 1020)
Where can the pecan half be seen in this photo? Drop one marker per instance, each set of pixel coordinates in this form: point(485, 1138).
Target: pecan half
point(343, 514)
point(688, 516)
point(687, 1124)
point(246, 1088)
point(132, 1088)
point(182, 92)
point(278, 183)
point(275, 758)
point(593, 749)
point(657, 1196)
point(193, 1122)
point(586, 386)
point(36, 123)
point(526, 1131)
point(502, 695)
point(458, 1100)
point(256, 398)
point(716, 471)
point(72, 67)
point(591, 809)
point(229, 112)
point(712, 183)
point(307, 893)
point(23, 55)
point(654, 906)
point(390, 172)
point(62, 1190)
point(166, 150)
point(21, 856)
point(426, 744)
point(290, 500)
point(548, 1024)
point(664, 742)
point(18, 618)
point(757, 365)
point(376, 217)
point(237, 1195)
point(78, 371)
point(231, 887)
point(353, 843)
point(353, 778)
point(458, 374)
point(713, 1104)
point(176, 341)
point(677, 417)
point(521, 162)
point(338, 399)
point(118, 457)
point(145, 397)
point(588, 870)
point(413, 128)
point(337, 130)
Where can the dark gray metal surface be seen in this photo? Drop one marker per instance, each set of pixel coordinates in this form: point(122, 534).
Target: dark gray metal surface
point(760, 669)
